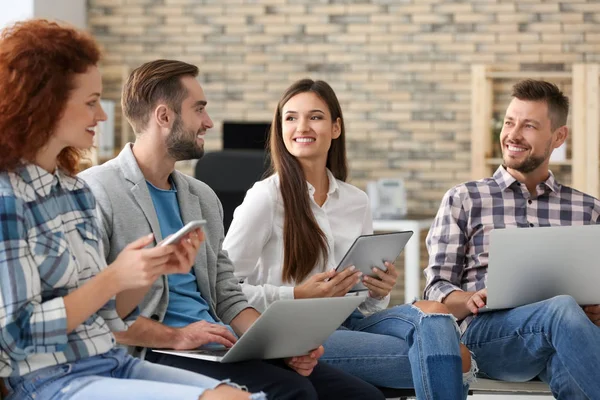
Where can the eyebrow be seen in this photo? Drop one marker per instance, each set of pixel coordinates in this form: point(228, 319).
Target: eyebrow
point(525, 120)
point(296, 112)
point(199, 103)
point(96, 94)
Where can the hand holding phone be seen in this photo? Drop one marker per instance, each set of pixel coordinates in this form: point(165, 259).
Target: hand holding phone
point(180, 234)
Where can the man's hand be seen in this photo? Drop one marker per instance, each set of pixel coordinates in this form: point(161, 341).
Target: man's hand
point(201, 333)
point(384, 283)
point(328, 284)
point(477, 300)
point(304, 365)
point(225, 392)
point(593, 313)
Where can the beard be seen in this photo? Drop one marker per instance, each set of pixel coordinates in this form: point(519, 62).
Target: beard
point(531, 163)
point(181, 143)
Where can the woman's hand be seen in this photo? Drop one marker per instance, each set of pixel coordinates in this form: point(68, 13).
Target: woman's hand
point(182, 260)
point(138, 267)
point(328, 284)
point(384, 283)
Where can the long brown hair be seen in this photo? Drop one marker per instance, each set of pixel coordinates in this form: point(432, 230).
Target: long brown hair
point(304, 243)
point(38, 63)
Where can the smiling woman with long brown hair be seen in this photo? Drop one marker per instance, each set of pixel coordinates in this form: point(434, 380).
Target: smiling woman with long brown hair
point(59, 301)
point(296, 225)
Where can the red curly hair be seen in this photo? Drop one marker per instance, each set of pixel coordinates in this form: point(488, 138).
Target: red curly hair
point(38, 62)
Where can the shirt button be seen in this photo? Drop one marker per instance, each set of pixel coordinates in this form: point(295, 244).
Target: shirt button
point(529, 201)
point(531, 225)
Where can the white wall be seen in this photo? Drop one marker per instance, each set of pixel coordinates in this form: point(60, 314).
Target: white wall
point(15, 10)
point(71, 11)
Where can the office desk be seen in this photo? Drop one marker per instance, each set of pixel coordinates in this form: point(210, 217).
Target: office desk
point(412, 251)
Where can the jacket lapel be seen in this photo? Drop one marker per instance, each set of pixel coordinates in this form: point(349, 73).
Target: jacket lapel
point(139, 188)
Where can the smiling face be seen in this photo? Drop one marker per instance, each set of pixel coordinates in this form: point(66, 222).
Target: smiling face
point(82, 112)
point(307, 127)
point(527, 137)
point(186, 139)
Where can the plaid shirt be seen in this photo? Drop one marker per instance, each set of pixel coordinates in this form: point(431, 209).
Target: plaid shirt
point(458, 241)
point(49, 246)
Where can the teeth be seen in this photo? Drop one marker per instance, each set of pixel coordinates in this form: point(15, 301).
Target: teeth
point(90, 129)
point(513, 148)
point(304, 140)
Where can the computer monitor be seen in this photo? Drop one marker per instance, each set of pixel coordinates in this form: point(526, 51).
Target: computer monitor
point(245, 135)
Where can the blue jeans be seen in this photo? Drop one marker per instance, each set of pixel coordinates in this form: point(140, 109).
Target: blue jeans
point(401, 347)
point(114, 375)
point(552, 339)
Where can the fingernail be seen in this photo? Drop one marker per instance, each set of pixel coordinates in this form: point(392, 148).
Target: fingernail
point(150, 236)
point(352, 268)
point(359, 274)
point(366, 278)
point(374, 269)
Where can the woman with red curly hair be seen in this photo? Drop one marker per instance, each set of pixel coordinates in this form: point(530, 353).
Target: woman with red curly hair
point(59, 301)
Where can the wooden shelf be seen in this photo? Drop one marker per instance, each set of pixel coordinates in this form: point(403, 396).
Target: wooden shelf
point(498, 161)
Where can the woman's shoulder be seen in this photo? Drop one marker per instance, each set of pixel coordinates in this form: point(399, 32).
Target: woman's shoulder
point(266, 187)
point(352, 193)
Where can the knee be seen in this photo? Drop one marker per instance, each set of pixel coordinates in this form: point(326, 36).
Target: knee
point(432, 307)
point(295, 387)
point(562, 306)
point(465, 356)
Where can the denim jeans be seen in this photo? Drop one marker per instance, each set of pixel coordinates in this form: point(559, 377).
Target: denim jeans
point(551, 339)
point(114, 375)
point(401, 347)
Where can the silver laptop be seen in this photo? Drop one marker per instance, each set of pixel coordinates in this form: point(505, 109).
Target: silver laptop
point(527, 265)
point(287, 328)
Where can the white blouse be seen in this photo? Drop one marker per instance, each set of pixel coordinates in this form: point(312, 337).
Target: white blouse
point(255, 238)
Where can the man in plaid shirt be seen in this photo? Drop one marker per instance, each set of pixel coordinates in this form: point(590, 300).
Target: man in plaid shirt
point(556, 339)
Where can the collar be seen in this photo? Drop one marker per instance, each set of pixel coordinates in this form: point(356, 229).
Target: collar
point(43, 182)
point(333, 184)
point(504, 180)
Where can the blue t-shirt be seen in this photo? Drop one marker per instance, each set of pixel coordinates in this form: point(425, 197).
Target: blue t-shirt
point(186, 305)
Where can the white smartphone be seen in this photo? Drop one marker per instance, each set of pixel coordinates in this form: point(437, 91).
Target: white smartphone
point(177, 236)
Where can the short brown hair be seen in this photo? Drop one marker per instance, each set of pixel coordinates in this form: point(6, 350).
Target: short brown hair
point(38, 63)
point(150, 83)
point(534, 90)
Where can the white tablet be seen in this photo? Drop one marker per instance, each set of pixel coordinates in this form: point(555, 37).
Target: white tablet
point(370, 251)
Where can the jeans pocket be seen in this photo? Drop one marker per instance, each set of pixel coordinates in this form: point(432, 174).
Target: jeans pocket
point(38, 380)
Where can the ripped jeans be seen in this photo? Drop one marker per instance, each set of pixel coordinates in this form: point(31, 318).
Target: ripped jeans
point(113, 375)
point(402, 347)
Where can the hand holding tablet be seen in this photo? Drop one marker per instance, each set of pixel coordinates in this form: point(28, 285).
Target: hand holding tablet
point(372, 251)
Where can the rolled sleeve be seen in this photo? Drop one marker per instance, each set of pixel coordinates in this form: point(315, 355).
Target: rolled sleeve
point(447, 246)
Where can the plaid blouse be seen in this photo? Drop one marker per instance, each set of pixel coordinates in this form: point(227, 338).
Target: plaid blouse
point(458, 241)
point(49, 246)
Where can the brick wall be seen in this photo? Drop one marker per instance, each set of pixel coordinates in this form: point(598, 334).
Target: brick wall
point(401, 68)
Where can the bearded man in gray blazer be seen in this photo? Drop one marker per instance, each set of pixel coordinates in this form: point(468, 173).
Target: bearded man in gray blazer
point(140, 192)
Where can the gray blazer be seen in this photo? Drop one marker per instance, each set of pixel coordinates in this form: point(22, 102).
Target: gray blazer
point(127, 213)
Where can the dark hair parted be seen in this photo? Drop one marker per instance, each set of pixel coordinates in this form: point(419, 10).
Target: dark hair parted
point(151, 83)
point(536, 90)
point(305, 244)
point(38, 63)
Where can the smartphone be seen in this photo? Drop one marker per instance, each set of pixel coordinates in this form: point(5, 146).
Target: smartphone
point(177, 236)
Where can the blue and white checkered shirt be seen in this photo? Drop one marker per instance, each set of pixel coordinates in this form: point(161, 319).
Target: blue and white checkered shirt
point(49, 246)
point(458, 241)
